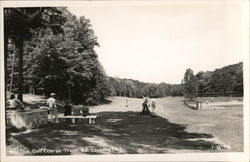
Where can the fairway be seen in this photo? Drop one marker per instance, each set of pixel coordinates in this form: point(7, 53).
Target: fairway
point(225, 125)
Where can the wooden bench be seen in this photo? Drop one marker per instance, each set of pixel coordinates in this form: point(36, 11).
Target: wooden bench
point(73, 117)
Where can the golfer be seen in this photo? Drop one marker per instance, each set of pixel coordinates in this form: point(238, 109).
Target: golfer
point(126, 102)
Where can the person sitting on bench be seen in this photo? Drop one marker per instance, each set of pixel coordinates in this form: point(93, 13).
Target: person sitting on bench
point(67, 110)
point(80, 110)
point(85, 111)
point(14, 103)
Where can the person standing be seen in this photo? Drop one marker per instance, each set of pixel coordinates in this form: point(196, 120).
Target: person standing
point(145, 104)
point(153, 106)
point(126, 101)
point(53, 108)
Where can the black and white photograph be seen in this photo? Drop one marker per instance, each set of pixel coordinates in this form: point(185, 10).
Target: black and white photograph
point(125, 80)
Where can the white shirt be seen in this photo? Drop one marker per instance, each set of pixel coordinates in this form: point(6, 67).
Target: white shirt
point(51, 102)
point(152, 103)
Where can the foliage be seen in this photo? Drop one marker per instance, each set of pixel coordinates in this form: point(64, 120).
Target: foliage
point(66, 63)
point(17, 25)
point(190, 82)
point(224, 81)
point(134, 88)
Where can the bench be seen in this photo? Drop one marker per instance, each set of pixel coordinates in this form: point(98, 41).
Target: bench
point(91, 118)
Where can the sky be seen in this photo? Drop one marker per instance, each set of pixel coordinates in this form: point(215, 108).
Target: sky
point(157, 43)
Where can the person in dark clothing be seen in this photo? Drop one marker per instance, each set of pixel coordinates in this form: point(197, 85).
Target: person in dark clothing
point(145, 109)
point(67, 110)
point(85, 111)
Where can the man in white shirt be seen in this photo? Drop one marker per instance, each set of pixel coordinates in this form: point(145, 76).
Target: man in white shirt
point(51, 102)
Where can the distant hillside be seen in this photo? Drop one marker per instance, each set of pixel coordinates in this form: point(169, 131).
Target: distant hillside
point(224, 80)
point(228, 79)
point(135, 88)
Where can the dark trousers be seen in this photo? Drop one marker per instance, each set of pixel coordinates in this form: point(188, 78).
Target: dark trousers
point(145, 109)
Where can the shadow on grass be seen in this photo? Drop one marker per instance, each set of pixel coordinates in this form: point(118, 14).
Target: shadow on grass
point(131, 132)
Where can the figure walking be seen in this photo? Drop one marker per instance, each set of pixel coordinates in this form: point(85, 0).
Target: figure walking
point(52, 107)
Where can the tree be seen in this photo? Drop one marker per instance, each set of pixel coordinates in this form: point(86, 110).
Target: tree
point(67, 60)
point(190, 83)
point(224, 81)
point(17, 25)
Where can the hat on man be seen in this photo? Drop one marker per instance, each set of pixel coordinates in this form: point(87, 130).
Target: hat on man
point(52, 94)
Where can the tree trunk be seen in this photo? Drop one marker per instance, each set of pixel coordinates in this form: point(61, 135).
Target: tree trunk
point(5, 55)
point(69, 94)
point(5, 66)
point(20, 68)
point(33, 89)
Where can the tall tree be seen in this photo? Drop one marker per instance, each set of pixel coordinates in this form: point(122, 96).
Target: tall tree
point(68, 60)
point(17, 25)
point(190, 83)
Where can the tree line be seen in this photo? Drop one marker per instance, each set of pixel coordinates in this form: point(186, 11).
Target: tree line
point(137, 89)
point(224, 81)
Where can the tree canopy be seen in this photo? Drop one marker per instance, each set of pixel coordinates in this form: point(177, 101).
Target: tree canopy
point(227, 80)
point(134, 88)
point(65, 62)
point(18, 23)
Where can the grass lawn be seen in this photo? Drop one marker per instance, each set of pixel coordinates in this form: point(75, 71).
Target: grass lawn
point(122, 130)
point(225, 123)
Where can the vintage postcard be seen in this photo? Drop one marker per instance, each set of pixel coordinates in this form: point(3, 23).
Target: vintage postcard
point(125, 80)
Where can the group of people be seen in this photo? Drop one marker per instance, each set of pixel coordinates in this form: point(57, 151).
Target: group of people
point(15, 104)
point(69, 109)
point(148, 106)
